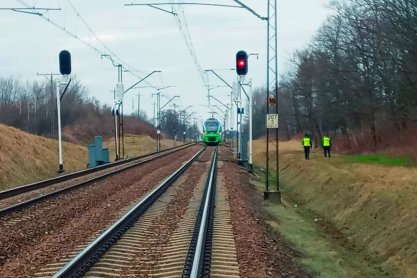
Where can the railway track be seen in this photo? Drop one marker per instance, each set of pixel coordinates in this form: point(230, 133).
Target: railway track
point(24, 196)
point(181, 228)
point(46, 232)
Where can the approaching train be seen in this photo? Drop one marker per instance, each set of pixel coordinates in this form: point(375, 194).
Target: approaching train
point(212, 132)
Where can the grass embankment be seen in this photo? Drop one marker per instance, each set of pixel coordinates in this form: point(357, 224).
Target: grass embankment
point(379, 159)
point(25, 158)
point(137, 145)
point(352, 219)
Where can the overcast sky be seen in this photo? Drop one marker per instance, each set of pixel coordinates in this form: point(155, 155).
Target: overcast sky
point(148, 39)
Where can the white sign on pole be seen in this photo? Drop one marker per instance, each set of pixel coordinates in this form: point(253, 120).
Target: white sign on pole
point(119, 92)
point(272, 121)
point(236, 91)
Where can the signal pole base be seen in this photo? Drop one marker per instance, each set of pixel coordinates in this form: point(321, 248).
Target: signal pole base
point(60, 169)
point(273, 196)
point(250, 168)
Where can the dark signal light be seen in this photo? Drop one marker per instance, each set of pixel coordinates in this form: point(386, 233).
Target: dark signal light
point(65, 62)
point(241, 63)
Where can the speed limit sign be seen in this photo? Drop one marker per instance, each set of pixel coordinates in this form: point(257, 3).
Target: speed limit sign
point(272, 121)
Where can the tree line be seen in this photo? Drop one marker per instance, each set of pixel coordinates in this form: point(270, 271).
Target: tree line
point(178, 126)
point(32, 107)
point(358, 77)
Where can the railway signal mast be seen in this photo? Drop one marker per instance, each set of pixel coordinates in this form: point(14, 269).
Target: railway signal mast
point(271, 83)
point(241, 70)
point(65, 70)
point(271, 87)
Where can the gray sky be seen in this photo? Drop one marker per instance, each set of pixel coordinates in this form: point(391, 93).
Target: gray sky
point(149, 39)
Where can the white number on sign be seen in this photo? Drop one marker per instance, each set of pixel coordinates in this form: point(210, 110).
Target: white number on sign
point(272, 120)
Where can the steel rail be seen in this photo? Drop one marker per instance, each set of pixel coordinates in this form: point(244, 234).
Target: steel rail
point(41, 184)
point(199, 254)
point(55, 193)
point(78, 266)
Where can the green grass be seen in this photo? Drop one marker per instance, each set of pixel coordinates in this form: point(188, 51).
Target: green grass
point(379, 159)
point(322, 254)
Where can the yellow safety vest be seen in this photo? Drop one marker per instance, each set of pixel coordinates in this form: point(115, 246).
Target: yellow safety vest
point(306, 142)
point(326, 142)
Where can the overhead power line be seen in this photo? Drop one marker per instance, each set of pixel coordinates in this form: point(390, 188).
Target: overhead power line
point(153, 5)
point(126, 65)
point(135, 72)
point(185, 32)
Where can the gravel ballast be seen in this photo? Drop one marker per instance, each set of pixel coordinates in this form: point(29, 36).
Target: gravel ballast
point(44, 233)
point(261, 253)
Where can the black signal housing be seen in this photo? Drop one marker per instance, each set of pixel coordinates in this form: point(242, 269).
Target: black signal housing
point(241, 63)
point(65, 62)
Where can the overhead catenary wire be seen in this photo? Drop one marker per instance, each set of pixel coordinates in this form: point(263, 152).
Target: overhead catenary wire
point(182, 24)
point(135, 72)
point(126, 65)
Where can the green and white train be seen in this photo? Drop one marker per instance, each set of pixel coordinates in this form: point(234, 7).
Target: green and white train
point(212, 132)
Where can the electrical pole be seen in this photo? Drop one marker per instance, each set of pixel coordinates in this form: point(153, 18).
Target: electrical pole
point(58, 104)
point(250, 165)
point(154, 115)
point(157, 110)
point(158, 132)
point(118, 100)
point(231, 121)
point(139, 106)
point(272, 82)
point(158, 115)
point(51, 79)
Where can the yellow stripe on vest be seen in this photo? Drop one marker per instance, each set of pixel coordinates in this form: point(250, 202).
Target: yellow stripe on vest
point(306, 142)
point(326, 142)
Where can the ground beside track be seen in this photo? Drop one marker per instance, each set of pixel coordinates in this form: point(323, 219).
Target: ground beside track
point(261, 252)
point(349, 219)
point(48, 231)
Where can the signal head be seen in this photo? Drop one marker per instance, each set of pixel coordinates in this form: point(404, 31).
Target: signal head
point(65, 62)
point(241, 63)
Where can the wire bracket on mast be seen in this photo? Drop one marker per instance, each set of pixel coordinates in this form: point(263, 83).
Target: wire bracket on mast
point(32, 10)
point(167, 11)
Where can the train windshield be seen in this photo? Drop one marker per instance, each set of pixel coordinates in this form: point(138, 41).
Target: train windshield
point(212, 126)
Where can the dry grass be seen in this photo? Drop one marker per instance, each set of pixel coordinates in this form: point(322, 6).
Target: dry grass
point(136, 145)
point(26, 158)
point(375, 206)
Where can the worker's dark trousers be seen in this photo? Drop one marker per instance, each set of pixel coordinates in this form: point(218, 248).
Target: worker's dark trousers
point(326, 152)
point(307, 152)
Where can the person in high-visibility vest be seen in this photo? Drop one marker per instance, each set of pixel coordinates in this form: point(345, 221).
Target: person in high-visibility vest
point(307, 144)
point(326, 143)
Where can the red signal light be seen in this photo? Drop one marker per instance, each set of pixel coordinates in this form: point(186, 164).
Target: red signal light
point(241, 63)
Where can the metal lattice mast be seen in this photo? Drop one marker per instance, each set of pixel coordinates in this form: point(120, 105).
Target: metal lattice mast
point(272, 78)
